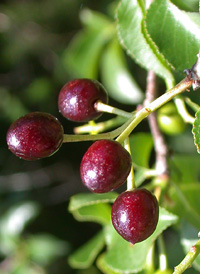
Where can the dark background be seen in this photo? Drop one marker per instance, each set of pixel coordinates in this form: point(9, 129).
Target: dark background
point(33, 36)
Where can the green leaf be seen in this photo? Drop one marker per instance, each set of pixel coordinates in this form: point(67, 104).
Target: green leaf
point(116, 77)
point(141, 145)
point(94, 20)
point(91, 270)
point(44, 248)
point(185, 168)
point(24, 267)
point(13, 222)
point(137, 42)
point(86, 254)
point(196, 131)
point(16, 108)
point(82, 55)
point(92, 207)
point(178, 32)
point(39, 90)
point(104, 267)
point(189, 237)
point(127, 258)
point(186, 196)
point(190, 5)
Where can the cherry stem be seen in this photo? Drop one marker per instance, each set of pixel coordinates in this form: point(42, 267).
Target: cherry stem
point(181, 108)
point(195, 107)
point(109, 135)
point(102, 126)
point(131, 177)
point(101, 107)
point(189, 259)
point(144, 112)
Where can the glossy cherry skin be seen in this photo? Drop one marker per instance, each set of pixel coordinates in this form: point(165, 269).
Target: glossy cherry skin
point(77, 98)
point(105, 166)
point(135, 215)
point(35, 136)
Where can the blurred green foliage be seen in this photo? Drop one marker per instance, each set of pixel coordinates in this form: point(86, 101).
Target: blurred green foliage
point(35, 234)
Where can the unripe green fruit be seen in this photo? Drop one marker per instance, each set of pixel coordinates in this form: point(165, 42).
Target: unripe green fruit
point(169, 121)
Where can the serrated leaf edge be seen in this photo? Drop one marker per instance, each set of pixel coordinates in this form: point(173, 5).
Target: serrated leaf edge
point(151, 45)
point(193, 132)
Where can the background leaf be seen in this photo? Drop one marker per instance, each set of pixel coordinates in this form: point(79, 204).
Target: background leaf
point(86, 254)
point(185, 168)
point(141, 147)
point(186, 196)
point(94, 20)
point(130, 15)
point(44, 248)
point(179, 31)
point(92, 207)
point(82, 55)
point(116, 77)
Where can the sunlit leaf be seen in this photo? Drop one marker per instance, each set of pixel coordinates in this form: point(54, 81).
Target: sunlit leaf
point(82, 55)
point(94, 20)
point(136, 41)
point(178, 32)
point(120, 84)
point(17, 217)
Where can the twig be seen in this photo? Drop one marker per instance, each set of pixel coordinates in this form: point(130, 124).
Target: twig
point(160, 101)
point(160, 145)
point(189, 259)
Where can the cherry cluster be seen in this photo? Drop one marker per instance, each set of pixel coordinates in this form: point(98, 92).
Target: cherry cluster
point(104, 167)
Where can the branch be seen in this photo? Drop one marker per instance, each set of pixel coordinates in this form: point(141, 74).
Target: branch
point(160, 145)
point(189, 259)
point(160, 101)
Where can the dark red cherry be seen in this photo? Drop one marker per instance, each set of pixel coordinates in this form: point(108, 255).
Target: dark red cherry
point(35, 135)
point(77, 98)
point(135, 215)
point(105, 166)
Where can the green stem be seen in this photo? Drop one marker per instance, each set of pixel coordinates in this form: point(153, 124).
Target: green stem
point(131, 177)
point(189, 259)
point(101, 107)
point(195, 107)
point(67, 138)
point(100, 127)
point(182, 110)
point(144, 112)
